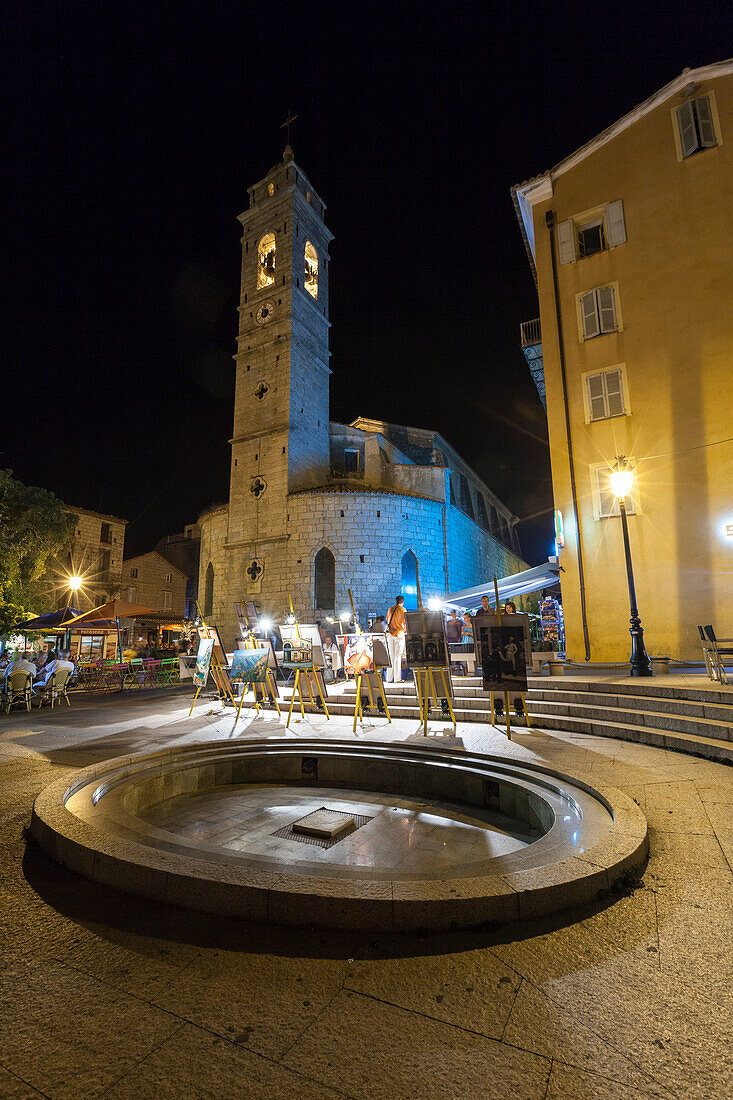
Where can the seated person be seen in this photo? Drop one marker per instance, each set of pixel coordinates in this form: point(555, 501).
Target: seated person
point(51, 666)
point(331, 652)
point(21, 664)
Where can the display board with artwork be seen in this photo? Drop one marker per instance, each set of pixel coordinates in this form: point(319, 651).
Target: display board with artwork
point(425, 645)
point(504, 648)
point(249, 666)
point(203, 662)
point(358, 654)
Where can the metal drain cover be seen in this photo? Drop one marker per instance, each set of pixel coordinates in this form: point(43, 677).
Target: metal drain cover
point(324, 824)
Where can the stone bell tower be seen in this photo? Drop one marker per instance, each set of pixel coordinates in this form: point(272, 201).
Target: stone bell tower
point(281, 409)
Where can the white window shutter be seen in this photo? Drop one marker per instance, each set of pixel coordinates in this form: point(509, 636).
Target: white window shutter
point(607, 504)
point(614, 392)
point(607, 308)
point(688, 131)
point(566, 242)
point(596, 397)
point(589, 313)
point(705, 121)
point(615, 225)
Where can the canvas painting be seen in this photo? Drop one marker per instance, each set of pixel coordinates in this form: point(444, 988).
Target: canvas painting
point(298, 653)
point(503, 649)
point(249, 666)
point(425, 642)
point(203, 662)
point(358, 654)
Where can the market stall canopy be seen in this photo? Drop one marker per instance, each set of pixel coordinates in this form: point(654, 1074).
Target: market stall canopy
point(518, 584)
point(52, 620)
point(114, 609)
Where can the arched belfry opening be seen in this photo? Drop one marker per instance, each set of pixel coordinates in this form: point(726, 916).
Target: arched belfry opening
point(209, 591)
point(324, 588)
point(409, 580)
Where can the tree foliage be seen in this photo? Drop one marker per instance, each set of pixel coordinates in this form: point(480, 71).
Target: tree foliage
point(35, 532)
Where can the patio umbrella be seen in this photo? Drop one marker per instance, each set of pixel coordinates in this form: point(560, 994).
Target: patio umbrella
point(115, 609)
point(52, 620)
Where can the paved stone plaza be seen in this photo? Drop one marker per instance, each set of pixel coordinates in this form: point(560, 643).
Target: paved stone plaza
point(101, 994)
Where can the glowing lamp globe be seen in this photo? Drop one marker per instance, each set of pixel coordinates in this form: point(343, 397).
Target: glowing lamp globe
point(622, 478)
point(265, 626)
point(434, 605)
point(75, 583)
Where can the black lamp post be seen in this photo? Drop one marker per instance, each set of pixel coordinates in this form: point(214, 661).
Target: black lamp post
point(621, 481)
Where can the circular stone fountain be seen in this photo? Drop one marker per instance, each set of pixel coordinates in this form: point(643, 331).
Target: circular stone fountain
point(331, 833)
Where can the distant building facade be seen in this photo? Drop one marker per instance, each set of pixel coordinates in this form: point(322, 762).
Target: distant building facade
point(151, 580)
point(183, 551)
point(317, 508)
point(629, 242)
point(96, 555)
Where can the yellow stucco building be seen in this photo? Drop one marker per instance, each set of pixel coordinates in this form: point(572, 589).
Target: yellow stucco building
point(630, 242)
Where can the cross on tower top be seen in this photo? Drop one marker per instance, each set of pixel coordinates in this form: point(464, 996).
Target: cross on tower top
point(287, 124)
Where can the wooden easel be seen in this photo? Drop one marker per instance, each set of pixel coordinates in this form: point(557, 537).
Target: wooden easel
point(360, 676)
point(507, 707)
point(425, 677)
point(298, 681)
point(267, 686)
point(217, 668)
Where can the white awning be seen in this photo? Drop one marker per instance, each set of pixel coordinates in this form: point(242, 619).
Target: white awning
point(518, 584)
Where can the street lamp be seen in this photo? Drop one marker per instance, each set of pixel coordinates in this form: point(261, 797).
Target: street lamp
point(75, 583)
point(622, 478)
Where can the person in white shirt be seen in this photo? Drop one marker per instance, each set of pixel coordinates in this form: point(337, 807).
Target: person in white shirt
point(21, 665)
point(53, 666)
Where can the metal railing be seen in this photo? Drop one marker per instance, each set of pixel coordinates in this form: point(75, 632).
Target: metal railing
point(530, 332)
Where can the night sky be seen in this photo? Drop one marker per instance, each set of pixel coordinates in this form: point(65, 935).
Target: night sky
point(132, 133)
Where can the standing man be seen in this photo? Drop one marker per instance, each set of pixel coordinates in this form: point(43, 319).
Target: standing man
point(396, 630)
point(453, 627)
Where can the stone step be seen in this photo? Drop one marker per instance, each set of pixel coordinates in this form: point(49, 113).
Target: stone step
point(653, 686)
point(691, 708)
point(708, 747)
point(665, 721)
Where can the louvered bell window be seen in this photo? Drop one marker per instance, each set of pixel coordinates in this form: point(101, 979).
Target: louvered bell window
point(696, 125)
point(605, 394)
point(598, 312)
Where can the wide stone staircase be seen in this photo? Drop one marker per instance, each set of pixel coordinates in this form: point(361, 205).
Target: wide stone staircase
point(692, 719)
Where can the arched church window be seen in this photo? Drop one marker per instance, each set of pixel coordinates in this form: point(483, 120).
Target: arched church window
point(409, 580)
point(209, 590)
point(311, 269)
point(325, 580)
point(266, 261)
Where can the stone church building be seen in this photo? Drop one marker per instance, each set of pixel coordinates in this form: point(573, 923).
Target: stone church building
point(316, 507)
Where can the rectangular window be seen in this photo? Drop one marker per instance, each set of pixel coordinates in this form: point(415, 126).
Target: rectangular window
point(132, 594)
point(591, 232)
point(133, 571)
point(605, 394)
point(351, 461)
point(106, 533)
point(597, 312)
point(591, 238)
point(168, 578)
point(605, 504)
point(696, 125)
point(167, 601)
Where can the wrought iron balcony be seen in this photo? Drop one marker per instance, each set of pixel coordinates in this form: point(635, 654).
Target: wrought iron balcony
point(531, 338)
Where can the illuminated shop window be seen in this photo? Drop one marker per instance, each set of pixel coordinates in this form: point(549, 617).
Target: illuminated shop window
point(311, 269)
point(266, 261)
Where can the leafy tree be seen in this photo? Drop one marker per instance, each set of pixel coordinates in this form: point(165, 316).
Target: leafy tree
point(34, 532)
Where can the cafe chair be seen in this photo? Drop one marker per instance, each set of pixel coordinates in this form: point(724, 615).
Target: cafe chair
point(56, 688)
point(707, 653)
point(18, 688)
